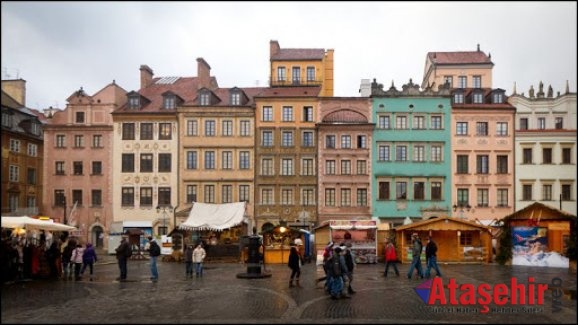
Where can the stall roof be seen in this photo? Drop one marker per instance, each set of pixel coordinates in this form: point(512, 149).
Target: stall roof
point(207, 216)
point(441, 223)
point(349, 224)
point(539, 211)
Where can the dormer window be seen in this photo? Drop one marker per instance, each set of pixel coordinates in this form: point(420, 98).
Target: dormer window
point(134, 102)
point(204, 99)
point(35, 128)
point(478, 98)
point(458, 98)
point(477, 80)
point(6, 119)
point(169, 102)
point(236, 98)
point(497, 98)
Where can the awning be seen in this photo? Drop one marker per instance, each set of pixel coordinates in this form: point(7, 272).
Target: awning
point(31, 223)
point(137, 224)
point(207, 216)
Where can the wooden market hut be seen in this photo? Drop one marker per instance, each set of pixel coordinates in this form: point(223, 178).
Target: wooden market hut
point(559, 223)
point(458, 240)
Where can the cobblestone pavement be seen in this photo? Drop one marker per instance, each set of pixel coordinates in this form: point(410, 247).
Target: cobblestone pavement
point(221, 297)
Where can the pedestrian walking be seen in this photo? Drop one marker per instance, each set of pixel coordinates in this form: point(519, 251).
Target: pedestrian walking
point(199, 255)
point(67, 266)
point(53, 256)
point(416, 256)
point(295, 265)
point(390, 257)
point(336, 268)
point(88, 260)
point(327, 253)
point(76, 259)
point(189, 261)
point(154, 251)
point(123, 252)
point(349, 257)
point(431, 259)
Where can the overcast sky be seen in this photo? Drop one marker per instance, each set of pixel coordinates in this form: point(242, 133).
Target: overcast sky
point(58, 47)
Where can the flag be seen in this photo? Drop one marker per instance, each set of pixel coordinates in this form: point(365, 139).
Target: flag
point(72, 216)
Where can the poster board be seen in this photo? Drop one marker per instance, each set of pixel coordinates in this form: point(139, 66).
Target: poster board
point(530, 247)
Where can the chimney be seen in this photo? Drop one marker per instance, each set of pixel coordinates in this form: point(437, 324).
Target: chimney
point(274, 48)
point(203, 73)
point(16, 89)
point(146, 76)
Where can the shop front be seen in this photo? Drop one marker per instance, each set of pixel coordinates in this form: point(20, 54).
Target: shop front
point(277, 243)
point(361, 234)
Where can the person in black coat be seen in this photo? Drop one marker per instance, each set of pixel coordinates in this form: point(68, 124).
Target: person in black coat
point(295, 265)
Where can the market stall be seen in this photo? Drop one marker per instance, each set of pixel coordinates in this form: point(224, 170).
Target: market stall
point(361, 234)
point(277, 243)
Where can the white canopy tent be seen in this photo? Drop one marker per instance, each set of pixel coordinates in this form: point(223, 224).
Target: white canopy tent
point(31, 223)
point(207, 216)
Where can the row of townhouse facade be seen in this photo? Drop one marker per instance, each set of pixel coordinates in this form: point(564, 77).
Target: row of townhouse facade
point(298, 155)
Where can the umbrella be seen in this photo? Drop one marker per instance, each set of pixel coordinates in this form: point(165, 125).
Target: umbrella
point(31, 223)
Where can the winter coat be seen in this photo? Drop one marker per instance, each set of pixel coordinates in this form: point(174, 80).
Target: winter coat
point(430, 249)
point(199, 255)
point(294, 259)
point(390, 255)
point(77, 255)
point(188, 254)
point(417, 247)
point(89, 254)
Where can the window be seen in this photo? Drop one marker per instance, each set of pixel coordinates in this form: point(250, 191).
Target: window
point(286, 196)
point(559, 123)
point(482, 128)
point(244, 160)
point(477, 81)
point(146, 131)
point(466, 238)
point(541, 123)
point(267, 137)
point(527, 155)
point(267, 167)
point(146, 196)
point(310, 73)
point(209, 160)
point(436, 122)
point(345, 197)
point(235, 99)
point(449, 80)
point(165, 131)
point(401, 122)
point(6, 119)
point(296, 75)
point(287, 113)
point(566, 155)
point(401, 190)
point(191, 160)
point(361, 197)
point(97, 168)
point(523, 123)
point(281, 74)
point(127, 197)
point(501, 164)
point(59, 168)
point(146, 162)
point(245, 128)
point(307, 167)
point(361, 167)
point(60, 141)
point(32, 149)
point(96, 198)
point(287, 139)
point(307, 139)
point(462, 82)
point(59, 198)
point(547, 192)
point(361, 142)
point(267, 113)
point(307, 197)
point(383, 122)
point(502, 197)
point(498, 98)
point(436, 190)
point(482, 164)
point(79, 117)
point(546, 155)
point(308, 114)
point(501, 129)
point(527, 192)
point(345, 142)
point(205, 99)
point(330, 141)
point(418, 190)
point(462, 164)
point(192, 128)
point(97, 141)
point(227, 194)
point(227, 128)
point(330, 167)
point(164, 162)
point(458, 98)
point(31, 176)
point(286, 167)
point(330, 197)
point(77, 167)
point(483, 197)
point(419, 153)
point(462, 128)
point(134, 102)
point(128, 131)
point(267, 197)
point(244, 193)
point(463, 197)
point(210, 128)
point(346, 167)
point(14, 145)
point(191, 193)
point(77, 196)
point(227, 160)
point(400, 153)
point(383, 153)
point(169, 102)
point(164, 194)
point(566, 192)
point(419, 122)
point(383, 191)
point(78, 141)
point(436, 153)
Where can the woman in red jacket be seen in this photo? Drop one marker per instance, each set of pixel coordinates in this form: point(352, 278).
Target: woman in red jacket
point(390, 257)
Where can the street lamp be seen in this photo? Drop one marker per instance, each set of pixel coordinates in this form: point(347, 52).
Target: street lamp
point(461, 206)
point(164, 209)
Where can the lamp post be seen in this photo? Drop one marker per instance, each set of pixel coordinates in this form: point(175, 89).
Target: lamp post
point(462, 207)
point(164, 209)
point(64, 206)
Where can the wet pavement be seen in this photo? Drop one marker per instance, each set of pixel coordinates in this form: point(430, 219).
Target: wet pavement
point(221, 297)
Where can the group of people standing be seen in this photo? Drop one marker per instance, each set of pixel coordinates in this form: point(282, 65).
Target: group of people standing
point(338, 265)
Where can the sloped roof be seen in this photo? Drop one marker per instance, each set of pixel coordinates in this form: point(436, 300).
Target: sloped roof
point(539, 210)
point(298, 54)
point(440, 223)
point(208, 216)
point(466, 57)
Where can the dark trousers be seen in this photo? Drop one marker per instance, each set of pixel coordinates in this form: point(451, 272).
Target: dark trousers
point(122, 266)
point(392, 263)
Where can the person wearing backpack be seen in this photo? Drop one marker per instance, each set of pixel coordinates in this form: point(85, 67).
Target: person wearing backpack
point(336, 268)
point(154, 252)
point(390, 257)
point(123, 253)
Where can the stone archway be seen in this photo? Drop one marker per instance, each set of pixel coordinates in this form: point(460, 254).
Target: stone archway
point(97, 236)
